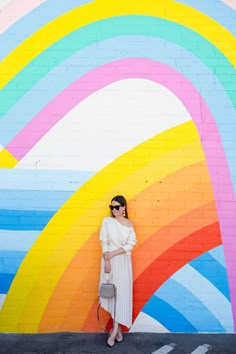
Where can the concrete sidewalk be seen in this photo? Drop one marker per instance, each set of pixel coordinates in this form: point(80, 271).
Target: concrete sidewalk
point(133, 343)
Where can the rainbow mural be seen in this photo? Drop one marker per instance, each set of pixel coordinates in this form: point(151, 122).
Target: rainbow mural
point(106, 97)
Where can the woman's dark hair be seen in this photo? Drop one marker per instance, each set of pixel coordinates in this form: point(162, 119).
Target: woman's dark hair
point(122, 201)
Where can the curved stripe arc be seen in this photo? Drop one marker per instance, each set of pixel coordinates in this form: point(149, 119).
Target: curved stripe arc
point(10, 127)
point(85, 38)
point(103, 186)
point(172, 290)
point(161, 269)
point(92, 12)
point(85, 84)
point(218, 303)
point(179, 324)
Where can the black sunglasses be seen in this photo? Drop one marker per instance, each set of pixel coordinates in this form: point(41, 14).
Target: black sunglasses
point(117, 207)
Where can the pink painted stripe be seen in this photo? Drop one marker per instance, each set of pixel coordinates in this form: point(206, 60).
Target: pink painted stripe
point(231, 3)
point(16, 9)
point(194, 103)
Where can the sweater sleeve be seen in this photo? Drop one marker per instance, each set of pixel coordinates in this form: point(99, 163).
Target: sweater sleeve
point(104, 236)
point(131, 241)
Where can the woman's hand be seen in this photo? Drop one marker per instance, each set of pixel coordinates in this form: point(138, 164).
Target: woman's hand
point(107, 256)
point(107, 266)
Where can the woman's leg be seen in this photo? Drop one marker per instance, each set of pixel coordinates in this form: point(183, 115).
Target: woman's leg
point(119, 336)
point(113, 334)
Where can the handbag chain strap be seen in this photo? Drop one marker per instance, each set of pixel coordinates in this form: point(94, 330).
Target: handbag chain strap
point(98, 316)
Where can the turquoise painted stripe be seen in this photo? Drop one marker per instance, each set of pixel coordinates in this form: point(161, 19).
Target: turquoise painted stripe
point(217, 10)
point(118, 26)
point(17, 240)
point(173, 293)
point(33, 200)
point(218, 254)
point(167, 315)
point(10, 261)
point(212, 270)
point(217, 304)
point(24, 219)
point(33, 21)
point(43, 180)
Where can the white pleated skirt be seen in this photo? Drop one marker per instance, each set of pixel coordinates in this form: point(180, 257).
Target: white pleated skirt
point(122, 276)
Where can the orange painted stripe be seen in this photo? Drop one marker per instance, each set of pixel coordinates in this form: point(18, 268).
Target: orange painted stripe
point(151, 210)
point(173, 259)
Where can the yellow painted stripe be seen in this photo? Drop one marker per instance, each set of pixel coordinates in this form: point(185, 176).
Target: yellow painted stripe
point(81, 215)
point(101, 9)
point(7, 160)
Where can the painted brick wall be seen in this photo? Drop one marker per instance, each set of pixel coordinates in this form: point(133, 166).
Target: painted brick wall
point(102, 98)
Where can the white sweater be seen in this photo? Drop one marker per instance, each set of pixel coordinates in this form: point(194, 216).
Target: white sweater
point(114, 235)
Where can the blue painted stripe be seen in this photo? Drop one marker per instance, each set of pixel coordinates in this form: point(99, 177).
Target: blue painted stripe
point(33, 21)
point(24, 219)
point(5, 282)
point(33, 200)
point(17, 240)
point(211, 297)
point(10, 261)
point(167, 316)
point(193, 310)
point(43, 180)
point(209, 268)
point(217, 10)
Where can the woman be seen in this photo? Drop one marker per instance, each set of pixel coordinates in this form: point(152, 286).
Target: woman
point(118, 237)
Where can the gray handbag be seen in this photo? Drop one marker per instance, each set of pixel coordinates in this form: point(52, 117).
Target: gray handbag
point(107, 291)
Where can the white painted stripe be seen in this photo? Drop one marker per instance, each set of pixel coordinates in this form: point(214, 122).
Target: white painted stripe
point(145, 323)
point(166, 349)
point(89, 136)
point(202, 349)
point(2, 299)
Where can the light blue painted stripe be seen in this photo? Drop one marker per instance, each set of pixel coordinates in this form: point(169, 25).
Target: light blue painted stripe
point(24, 219)
point(167, 315)
point(217, 304)
point(132, 46)
point(218, 254)
point(43, 179)
point(217, 10)
point(10, 261)
point(212, 270)
point(33, 21)
point(191, 308)
point(17, 240)
point(33, 200)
